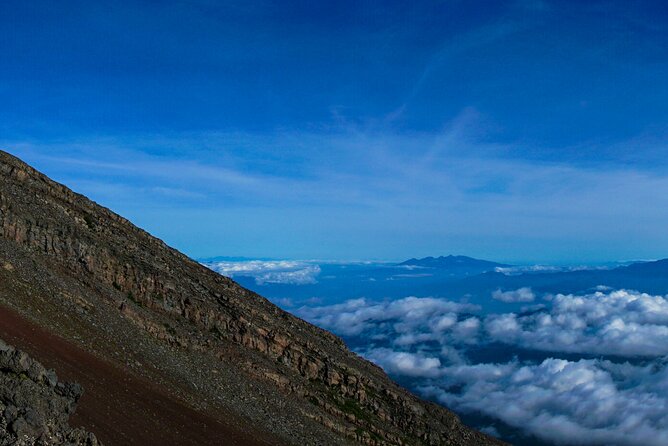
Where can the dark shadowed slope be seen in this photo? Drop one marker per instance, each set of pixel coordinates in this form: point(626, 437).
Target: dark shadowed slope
point(119, 406)
point(109, 288)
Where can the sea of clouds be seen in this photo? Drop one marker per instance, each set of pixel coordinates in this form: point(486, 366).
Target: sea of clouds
point(601, 377)
point(269, 271)
point(538, 269)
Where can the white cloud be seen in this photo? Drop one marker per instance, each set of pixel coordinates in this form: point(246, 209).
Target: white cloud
point(273, 271)
point(623, 323)
point(525, 269)
point(586, 401)
point(520, 295)
point(567, 402)
point(405, 364)
point(407, 321)
point(619, 323)
point(516, 270)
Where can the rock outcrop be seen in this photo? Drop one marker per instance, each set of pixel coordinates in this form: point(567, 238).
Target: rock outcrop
point(34, 406)
point(133, 276)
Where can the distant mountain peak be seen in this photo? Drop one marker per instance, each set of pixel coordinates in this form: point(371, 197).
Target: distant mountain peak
point(452, 261)
point(649, 267)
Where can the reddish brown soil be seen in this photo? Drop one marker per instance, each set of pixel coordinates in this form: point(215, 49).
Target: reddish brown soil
point(119, 407)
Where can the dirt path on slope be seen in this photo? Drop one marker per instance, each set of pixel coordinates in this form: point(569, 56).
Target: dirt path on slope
point(119, 407)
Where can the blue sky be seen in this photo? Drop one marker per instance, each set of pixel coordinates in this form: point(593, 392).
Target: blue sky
point(530, 131)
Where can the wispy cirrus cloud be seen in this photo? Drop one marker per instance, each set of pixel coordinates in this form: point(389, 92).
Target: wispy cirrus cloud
point(372, 174)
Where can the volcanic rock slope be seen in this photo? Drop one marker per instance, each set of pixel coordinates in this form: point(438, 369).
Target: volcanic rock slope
point(89, 275)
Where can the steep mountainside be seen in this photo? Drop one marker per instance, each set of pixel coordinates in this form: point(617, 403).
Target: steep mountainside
point(89, 275)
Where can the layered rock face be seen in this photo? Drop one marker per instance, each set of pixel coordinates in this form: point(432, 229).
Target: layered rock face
point(185, 306)
point(34, 406)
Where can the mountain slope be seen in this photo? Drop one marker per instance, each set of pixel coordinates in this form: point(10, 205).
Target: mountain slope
point(91, 276)
point(119, 405)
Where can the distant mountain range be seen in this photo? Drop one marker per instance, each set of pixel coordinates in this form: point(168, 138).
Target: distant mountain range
point(647, 268)
point(483, 277)
point(453, 262)
point(647, 277)
point(458, 277)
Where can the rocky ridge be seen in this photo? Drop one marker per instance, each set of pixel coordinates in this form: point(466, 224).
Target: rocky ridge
point(306, 372)
point(34, 406)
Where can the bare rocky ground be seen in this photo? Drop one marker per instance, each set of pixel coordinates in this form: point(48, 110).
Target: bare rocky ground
point(198, 339)
point(34, 406)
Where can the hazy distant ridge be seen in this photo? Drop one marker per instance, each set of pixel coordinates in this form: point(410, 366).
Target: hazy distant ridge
point(452, 261)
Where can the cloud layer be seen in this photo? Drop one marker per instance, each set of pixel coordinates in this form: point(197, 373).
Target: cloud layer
point(419, 319)
point(520, 295)
point(619, 323)
point(272, 271)
point(615, 401)
point(568, 402)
